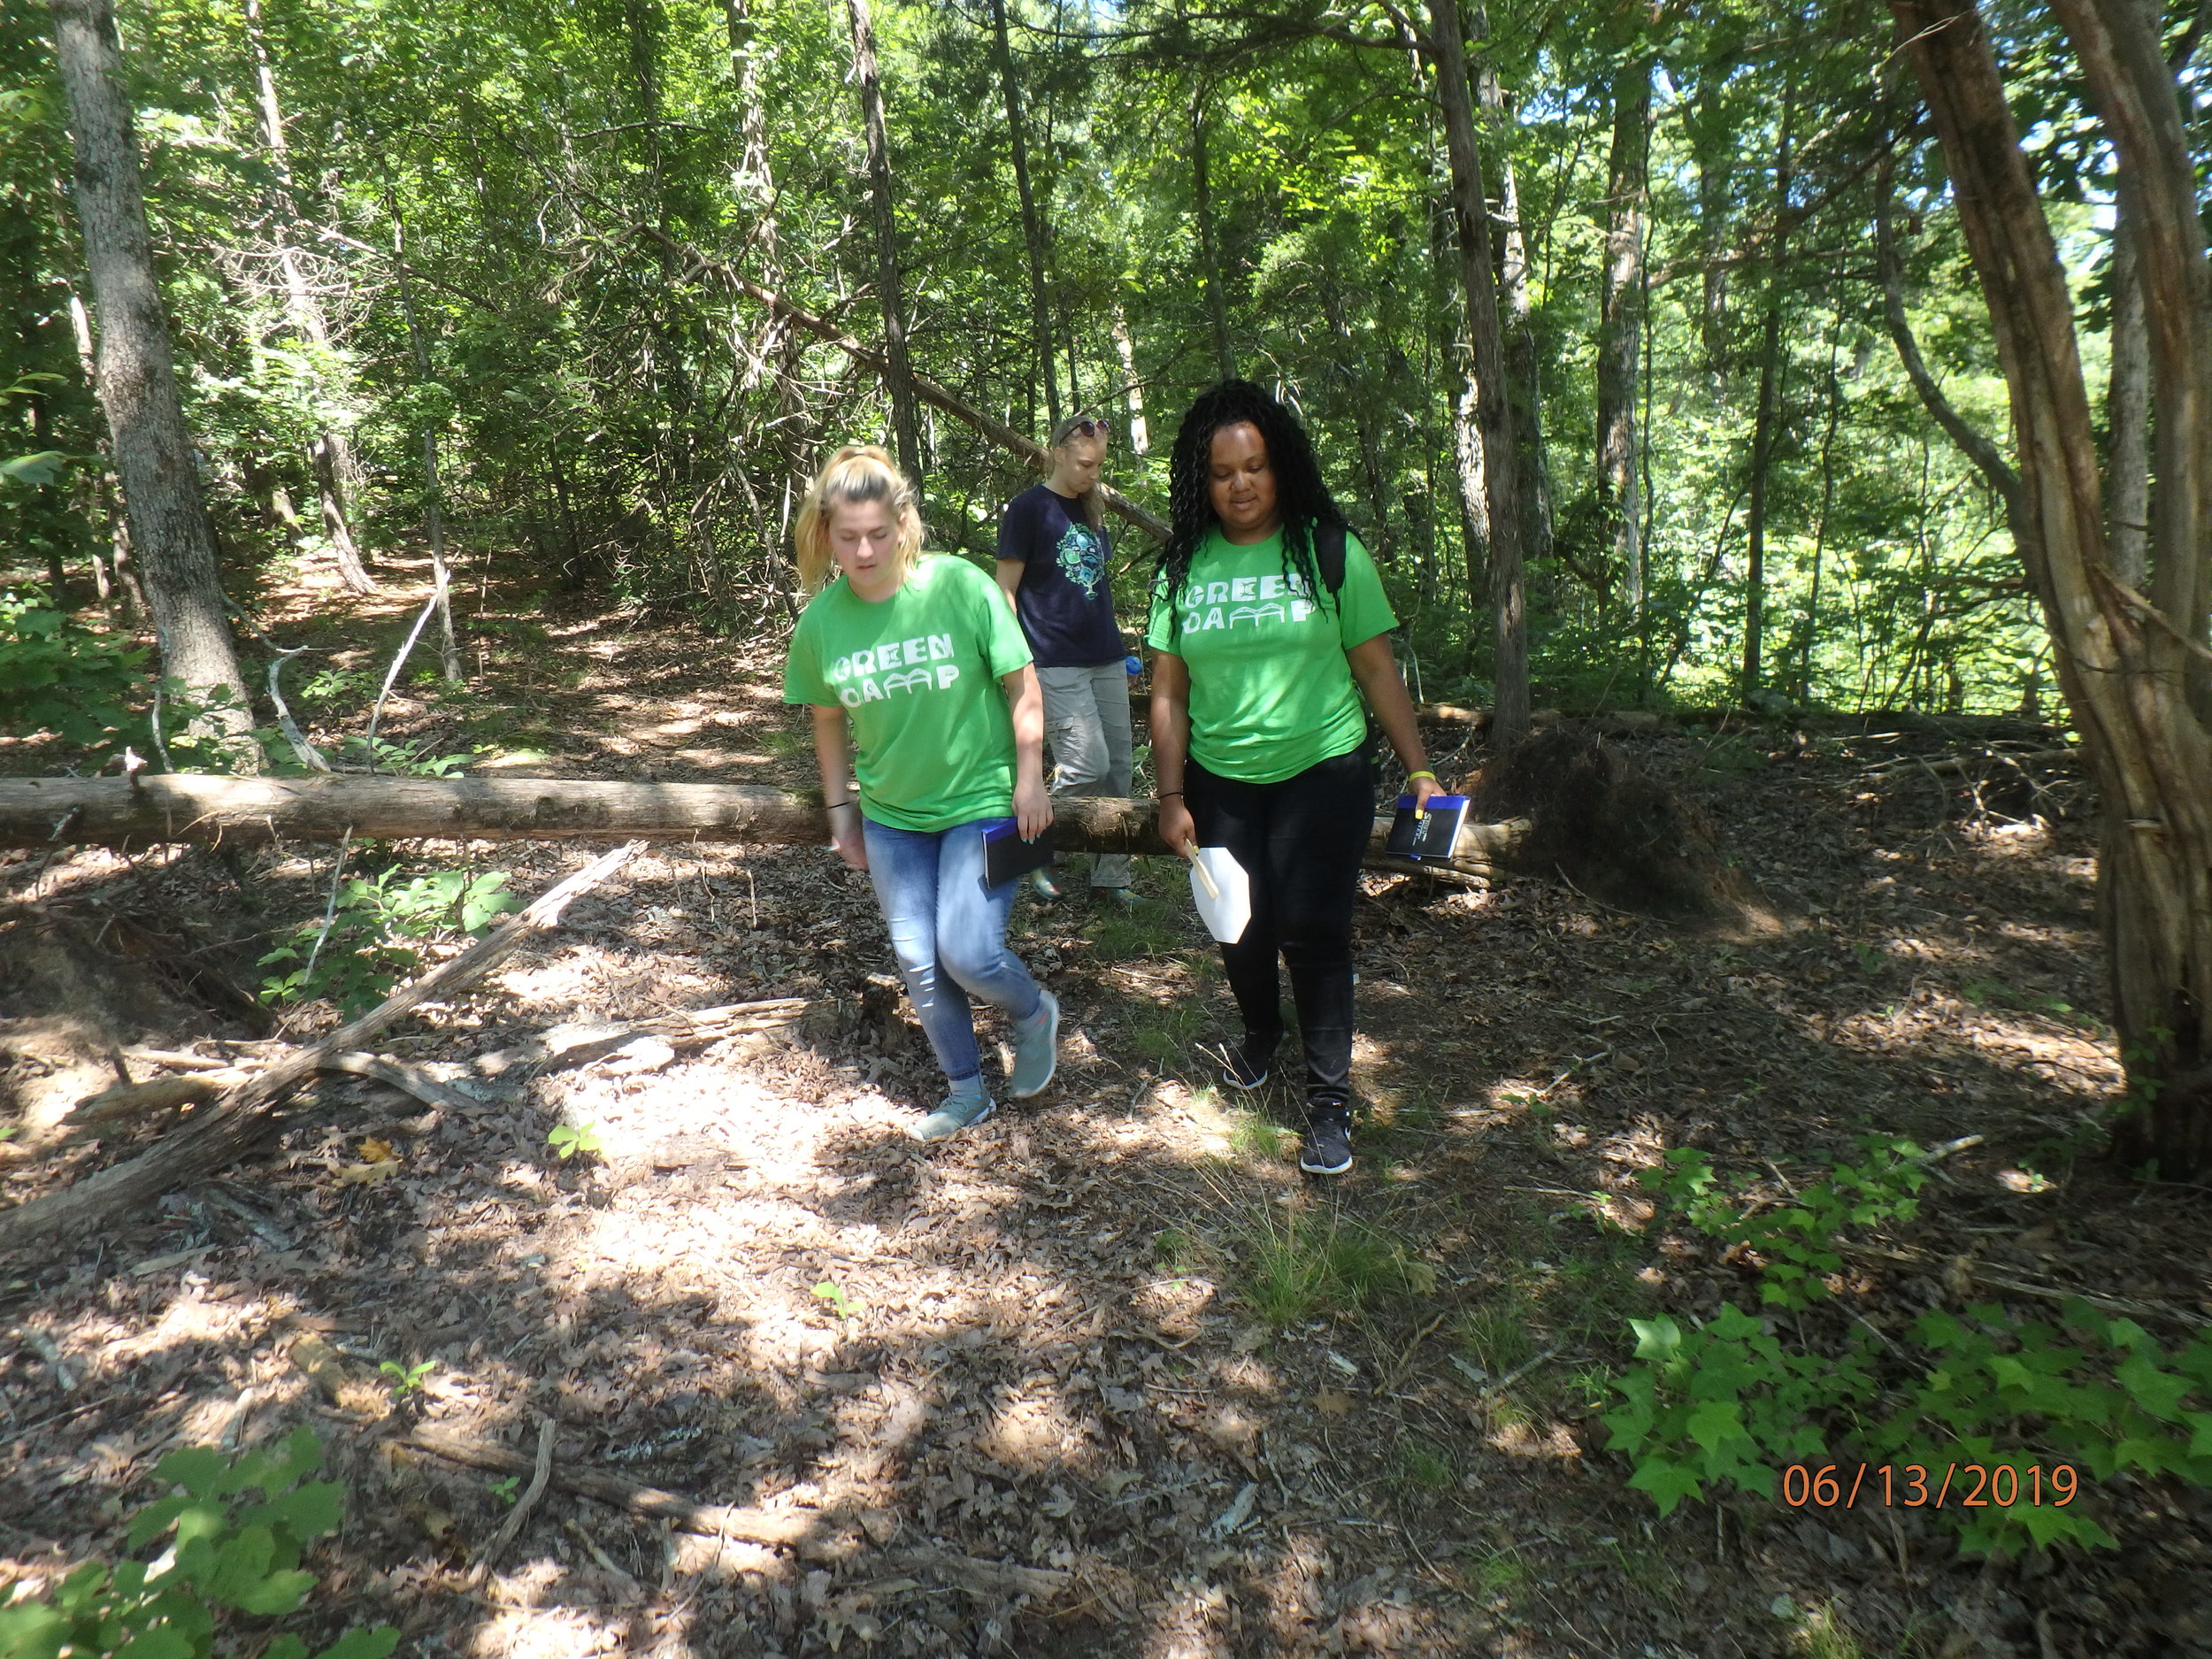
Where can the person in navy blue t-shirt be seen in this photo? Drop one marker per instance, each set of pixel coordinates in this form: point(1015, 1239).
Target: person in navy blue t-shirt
point(1053, 561)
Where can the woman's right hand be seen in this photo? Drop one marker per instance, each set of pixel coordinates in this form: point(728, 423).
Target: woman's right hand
point(845, 835)
point(1177, 828)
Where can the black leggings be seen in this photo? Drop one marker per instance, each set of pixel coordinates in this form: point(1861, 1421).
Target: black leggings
point(1301, 841)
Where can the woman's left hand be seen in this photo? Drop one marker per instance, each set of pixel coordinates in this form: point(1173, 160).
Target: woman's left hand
point(1032, 810)
point(1421, 789)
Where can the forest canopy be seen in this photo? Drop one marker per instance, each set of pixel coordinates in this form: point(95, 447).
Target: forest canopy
point(521, 232)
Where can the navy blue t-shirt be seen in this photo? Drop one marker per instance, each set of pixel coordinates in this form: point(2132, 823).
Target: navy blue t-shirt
point(1066, 598)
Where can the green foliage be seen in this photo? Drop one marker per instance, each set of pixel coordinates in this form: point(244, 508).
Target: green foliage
point(567, 1140)
point(228, 1556)
point(1794, 1242)
point(58, 676)
point(406, 1380)
point(380, 933)
point(1301, 1264)
point(1727, 1404)
point(841, 1301)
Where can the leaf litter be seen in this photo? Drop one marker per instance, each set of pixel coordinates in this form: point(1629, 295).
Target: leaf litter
point(1056, 1345)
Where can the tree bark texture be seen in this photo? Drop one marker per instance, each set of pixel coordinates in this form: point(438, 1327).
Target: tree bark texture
point(1509, 600)
point(1620, 329)
point(1033, 222)
point(329, 449)
point(898, 367)
point(261, 812)
point(2127, 403)
point(433, 491)
point(2125, 663)
point(173, 542)
point(1522, 360)
point(1764, 422)
point(1208, 243)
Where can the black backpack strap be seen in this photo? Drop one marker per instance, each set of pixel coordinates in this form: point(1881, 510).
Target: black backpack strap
point(1328, 554)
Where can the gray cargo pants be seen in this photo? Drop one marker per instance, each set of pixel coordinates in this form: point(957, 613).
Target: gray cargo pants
point(1086, 722)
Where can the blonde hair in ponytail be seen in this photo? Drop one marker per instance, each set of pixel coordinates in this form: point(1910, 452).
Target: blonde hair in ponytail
point(857, 473)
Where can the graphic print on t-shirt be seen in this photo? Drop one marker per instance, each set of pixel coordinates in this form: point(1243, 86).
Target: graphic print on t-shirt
point(1082, 558)
point(905, 666)
point(1259, 600)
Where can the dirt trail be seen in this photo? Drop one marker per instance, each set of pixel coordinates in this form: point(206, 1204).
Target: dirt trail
point(1112, 1333)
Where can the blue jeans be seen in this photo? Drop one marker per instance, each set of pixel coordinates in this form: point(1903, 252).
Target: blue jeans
point(949, 932)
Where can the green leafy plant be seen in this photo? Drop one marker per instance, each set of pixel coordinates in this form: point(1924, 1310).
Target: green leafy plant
point(1794, 1243)
point(1728, 1402)
point(506, 1487)
point(406, 1380)
point(407, 759)
point(841, 1301)
point(566, 1140)
point(228, 1557)
point(58, 676)
point(379, 932)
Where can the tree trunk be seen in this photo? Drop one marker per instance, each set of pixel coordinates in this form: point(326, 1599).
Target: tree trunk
point(1132, 388)
point(1620, 330)
point(1033, 222)
point(1715, 147)
point(2127, 404)
point(2125, 663)
point(899, 370)
point(329, 449)
point(433, 499)
point(1524, 362)
point(173, 542)
point(1762, 434)
point(1500, 466)
point(1209, 248)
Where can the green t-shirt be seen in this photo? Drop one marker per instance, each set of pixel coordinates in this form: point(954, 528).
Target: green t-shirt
point(918, 676)
point(1270, 693)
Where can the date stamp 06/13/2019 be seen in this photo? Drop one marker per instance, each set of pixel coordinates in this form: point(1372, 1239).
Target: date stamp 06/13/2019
point(1931, 1486)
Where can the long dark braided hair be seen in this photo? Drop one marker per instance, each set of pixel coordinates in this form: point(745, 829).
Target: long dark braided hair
point(1301, 496)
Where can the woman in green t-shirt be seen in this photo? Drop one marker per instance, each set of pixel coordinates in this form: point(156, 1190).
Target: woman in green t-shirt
point(1257, 733)
point(918, 675)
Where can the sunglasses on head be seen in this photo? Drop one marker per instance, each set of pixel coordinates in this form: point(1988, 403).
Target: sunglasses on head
point(1088, 426)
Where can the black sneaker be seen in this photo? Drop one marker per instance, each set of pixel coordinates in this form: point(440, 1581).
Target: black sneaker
point(1328, 1148)
point(1246, 1065)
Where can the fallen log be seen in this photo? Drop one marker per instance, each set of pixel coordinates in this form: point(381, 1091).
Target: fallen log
point(258, 811)
point(219, 1132)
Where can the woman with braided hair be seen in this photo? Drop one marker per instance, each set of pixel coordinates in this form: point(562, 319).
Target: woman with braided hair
point(1264, 647)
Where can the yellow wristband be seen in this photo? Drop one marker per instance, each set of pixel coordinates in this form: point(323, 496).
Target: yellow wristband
point(1412, 775)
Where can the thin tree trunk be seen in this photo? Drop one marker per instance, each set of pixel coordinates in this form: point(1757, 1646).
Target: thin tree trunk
point(329, 449)
point(1820, 529)
point(106, 493)
point(1033, 222)
point(1509, 725)
point(1716, 171)
point(2124, 662)
point(171, 540)
point(432, 497)
point(1132, 388)
point(899, 370)
point(1523, 361)
point(1474, 491)
point(2127, 404)
point(1762, 435)
point(1208, 248)
point(1620, 329)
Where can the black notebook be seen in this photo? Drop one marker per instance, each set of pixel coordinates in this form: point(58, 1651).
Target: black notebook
point(1434, 834)
point(1006, 855)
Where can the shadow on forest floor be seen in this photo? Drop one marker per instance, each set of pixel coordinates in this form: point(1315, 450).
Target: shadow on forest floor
point(1112, 1333)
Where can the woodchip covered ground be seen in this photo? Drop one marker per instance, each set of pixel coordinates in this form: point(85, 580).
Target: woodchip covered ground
point(1111, 1335)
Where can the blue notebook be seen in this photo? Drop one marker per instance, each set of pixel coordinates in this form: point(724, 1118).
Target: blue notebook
point(1006, 855)
point(1434, 834)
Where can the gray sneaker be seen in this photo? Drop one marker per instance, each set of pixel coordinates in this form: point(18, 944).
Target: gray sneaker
point(959, 1112)
point(1036, 1049)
